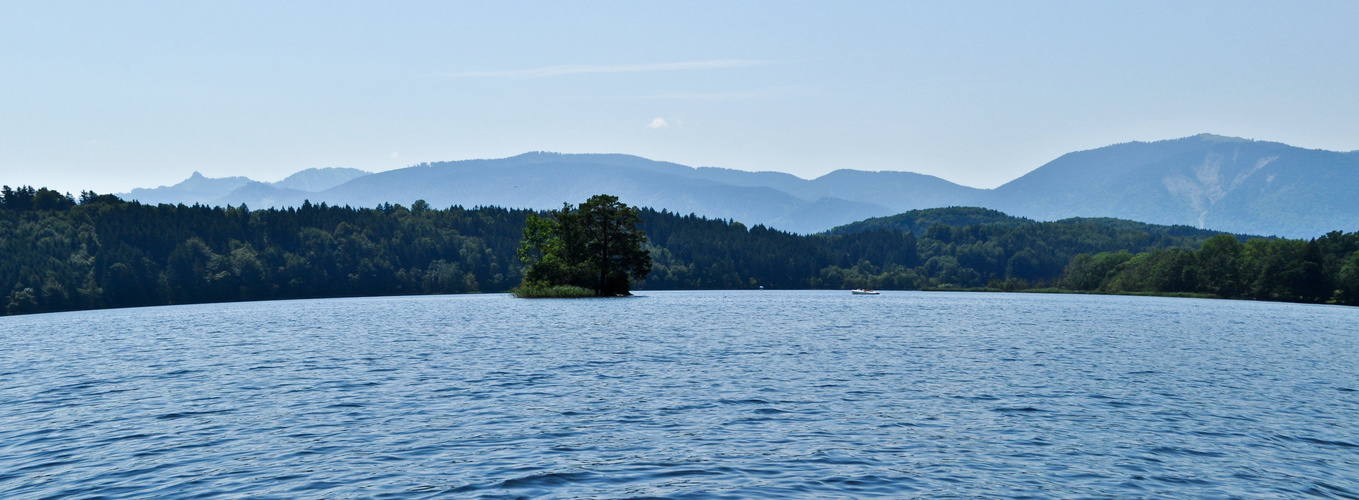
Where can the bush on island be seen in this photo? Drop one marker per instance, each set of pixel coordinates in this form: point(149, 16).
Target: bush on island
point(553, 292)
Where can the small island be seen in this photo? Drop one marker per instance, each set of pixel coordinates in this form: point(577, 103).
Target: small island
point(595, 250)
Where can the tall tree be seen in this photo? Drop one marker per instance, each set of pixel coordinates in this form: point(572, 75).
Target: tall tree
point(596, 246)
point(614, 243)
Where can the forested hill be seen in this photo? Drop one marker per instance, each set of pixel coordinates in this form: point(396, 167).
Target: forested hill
point(918, 221)
point(100, 251)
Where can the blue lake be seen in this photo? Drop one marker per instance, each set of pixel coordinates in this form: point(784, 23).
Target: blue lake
point(685, 394)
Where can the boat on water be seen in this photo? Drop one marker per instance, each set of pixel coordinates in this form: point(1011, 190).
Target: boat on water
point(864, 291)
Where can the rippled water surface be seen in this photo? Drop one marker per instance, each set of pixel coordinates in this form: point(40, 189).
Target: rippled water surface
point(685, 394)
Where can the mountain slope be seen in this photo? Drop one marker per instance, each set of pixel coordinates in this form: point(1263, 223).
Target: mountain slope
point(1205, 181)
point(319, 179)
point(899, 191)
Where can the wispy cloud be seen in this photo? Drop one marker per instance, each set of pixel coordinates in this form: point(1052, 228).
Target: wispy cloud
point(580, 69)
point(658, 123)
point(770, 93)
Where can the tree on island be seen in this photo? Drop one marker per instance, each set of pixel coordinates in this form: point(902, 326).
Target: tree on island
point(595, 249)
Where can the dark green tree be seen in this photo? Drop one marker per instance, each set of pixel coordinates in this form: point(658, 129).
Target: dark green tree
point(1347, 280)
point(596, 246)
point(1220, 265)
point(545, 252)
point(613, 243)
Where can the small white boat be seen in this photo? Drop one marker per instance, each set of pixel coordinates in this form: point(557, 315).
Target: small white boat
point(864, 291)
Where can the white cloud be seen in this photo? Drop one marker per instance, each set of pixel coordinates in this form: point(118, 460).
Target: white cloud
point(580, 69)
point(395, 155)
point(658, 123)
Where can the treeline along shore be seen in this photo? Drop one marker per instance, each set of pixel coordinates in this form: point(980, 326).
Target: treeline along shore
point(63, 253)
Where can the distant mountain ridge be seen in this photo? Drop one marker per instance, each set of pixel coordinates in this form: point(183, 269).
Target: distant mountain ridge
point(221, 191)
point(1205, 181)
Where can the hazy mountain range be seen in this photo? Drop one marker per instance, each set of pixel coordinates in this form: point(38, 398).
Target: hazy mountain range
point(1205, 181)
point(217, 191)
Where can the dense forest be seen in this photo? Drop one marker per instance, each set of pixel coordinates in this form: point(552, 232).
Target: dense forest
point(61, 253)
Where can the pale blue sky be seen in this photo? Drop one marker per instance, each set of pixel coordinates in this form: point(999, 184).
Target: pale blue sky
point(115, 95)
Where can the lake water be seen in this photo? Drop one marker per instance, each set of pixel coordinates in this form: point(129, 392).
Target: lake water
point(685, 394)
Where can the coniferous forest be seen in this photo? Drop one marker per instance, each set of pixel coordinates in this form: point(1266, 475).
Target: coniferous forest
point(60, 253)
